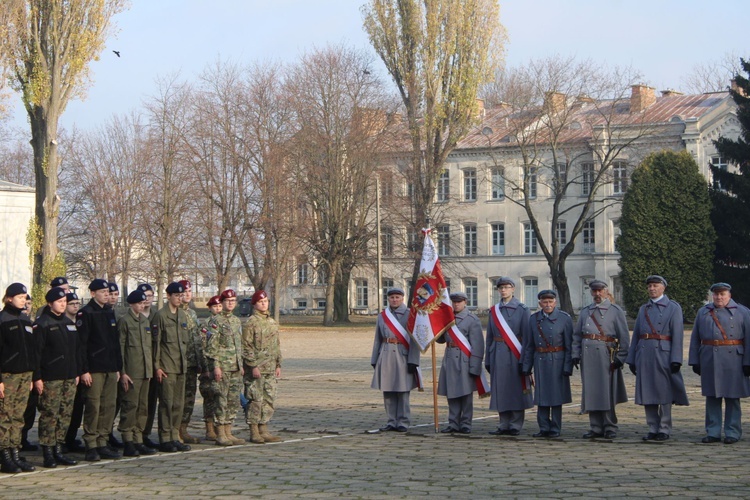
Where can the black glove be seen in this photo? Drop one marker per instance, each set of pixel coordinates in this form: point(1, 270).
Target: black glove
point(487, 367)
point(373, 366)
point(526, 373)
point(675, 367)
point(576, 362)
point(567, 374)
point(616, 365)
point(520, 370)
point(746, 370)
point(412, 367)
point(632, 368)
point(697, 369)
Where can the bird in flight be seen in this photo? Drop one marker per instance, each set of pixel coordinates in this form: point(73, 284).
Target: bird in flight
point(117, 53)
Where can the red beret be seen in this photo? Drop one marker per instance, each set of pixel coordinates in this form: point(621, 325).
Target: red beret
point(186, 284)
point(214, 301)
point(258, 295)
point(228, 294)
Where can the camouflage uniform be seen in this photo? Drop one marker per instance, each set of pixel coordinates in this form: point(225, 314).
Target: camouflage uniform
point(224, 351)
point(55, 410)
point(205, 381)
point(260, 349)
point(196, 362)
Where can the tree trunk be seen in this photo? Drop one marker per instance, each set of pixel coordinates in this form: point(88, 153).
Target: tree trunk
point(329, 316)
point(560, 282)
point(341, 297)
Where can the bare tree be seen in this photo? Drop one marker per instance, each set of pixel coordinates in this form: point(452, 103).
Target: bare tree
point(714, 75)
point(438, 53)
point(568, 123)
point(339, 111)
point(46, 48)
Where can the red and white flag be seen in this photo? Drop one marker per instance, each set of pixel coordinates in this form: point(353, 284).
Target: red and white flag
point(430, 311)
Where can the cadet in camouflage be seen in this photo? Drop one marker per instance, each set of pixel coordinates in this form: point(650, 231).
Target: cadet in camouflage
point(195, 362)
point(224, 360)
point(261, 355)
point(205, 385)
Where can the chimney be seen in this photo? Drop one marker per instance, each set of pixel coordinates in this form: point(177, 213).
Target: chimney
point(670, 93)
point(554, 102)
point(480, 108)
point(641, 97)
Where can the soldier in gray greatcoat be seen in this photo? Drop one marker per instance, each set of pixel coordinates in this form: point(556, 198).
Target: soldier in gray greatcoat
point(600, 345)
point(720, 354)
point(655, 358)
point(458, 372)
point(395, 365)
point(548, 351)
point(510, 391)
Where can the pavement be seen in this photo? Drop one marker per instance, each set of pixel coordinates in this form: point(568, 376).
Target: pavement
point(325, 408)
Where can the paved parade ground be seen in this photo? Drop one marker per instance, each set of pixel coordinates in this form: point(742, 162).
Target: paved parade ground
point(325, 407)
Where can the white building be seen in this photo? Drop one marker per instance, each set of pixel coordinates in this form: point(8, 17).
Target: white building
point(17, 211)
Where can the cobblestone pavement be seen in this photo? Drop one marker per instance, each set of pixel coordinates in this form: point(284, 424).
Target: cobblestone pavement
point(325, 407)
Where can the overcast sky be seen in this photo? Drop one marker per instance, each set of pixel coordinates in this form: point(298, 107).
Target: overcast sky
point(663, 39)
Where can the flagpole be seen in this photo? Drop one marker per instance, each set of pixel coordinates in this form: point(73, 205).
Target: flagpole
point(434, 387)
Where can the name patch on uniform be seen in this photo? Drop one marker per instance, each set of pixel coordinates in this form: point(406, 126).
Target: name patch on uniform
point(29, 329)
point(113, 323)
point(72, 328)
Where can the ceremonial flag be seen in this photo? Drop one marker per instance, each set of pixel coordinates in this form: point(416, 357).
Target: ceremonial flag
point(430, 311)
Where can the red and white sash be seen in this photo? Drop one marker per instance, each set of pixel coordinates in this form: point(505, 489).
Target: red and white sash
point(402, 336)
point(511, 341)
point(463, 343)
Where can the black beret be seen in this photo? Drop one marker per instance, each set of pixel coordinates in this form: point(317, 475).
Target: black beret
point(98, 284)
point(113, 287)
point(16, 289)
point(54, 294)
point(59, 281)
point(175, 287)
point(71, 296)
point(136, 296)
point(145, 287)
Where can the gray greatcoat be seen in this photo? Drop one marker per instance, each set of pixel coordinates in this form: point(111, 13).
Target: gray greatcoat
point(391, 360)
point(721, 366)
point(602, 388)
point(552, 387)
point(506, 391)
point(655, 384)
point(458, 370)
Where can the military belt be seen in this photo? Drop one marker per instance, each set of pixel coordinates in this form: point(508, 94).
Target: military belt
point(390, 340)
point(603, 338)
point(723, 342)
point(554, 348)
point(653, 336)
point(499, 339)
point(451, 344)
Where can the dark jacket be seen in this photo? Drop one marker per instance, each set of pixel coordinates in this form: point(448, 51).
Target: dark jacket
point(57, 340)
point(17, 342)
point(99, 340)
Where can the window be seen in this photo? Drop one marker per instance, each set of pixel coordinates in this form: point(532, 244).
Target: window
point(532, 182)
point(562, 174)
point(561, 233)
point(320, 303)
point(301, 303)
point(587, 178)
point(362, 293)
point(529, 239)
point(619, 177)
point(386, 188)
point(495, 292)
point(470, 184)
point(470, 239)
point(303, 273)
point(386, 283)
point(410, 190)
point(530, 291)
point(498, 184)
point(386, 241)
point(444, 239)
point(471, 290)
point(498, 239)
point(412, 240)
point(443, 187)
point(589, 242)
point(721, 163)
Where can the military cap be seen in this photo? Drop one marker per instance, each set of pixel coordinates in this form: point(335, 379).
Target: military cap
point(258, 296)
point(394, 290)
point(98, 284)
point(655, 278)
point(54, 294)
point(214, 301)
point(186, 284)
point(458, 297)
point(598, 285)
point(228, 294)
point(136, 296)
point(59, 281)
point(546, 294)
point(113, 287)
point(16, 289)
point(175, 287)
point(716, 287)
point(145, 287)
point(504, 280)
point(71, 296)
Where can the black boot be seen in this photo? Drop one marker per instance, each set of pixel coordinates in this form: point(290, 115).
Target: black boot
point(26, 445)
point(113, 442)
point(20, 461)
point(62, 459)
point(8, 465)
point(144, 450)
point(49, 457)
point(130, 449)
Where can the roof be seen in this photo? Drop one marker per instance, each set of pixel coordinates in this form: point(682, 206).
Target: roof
point(10, 186)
